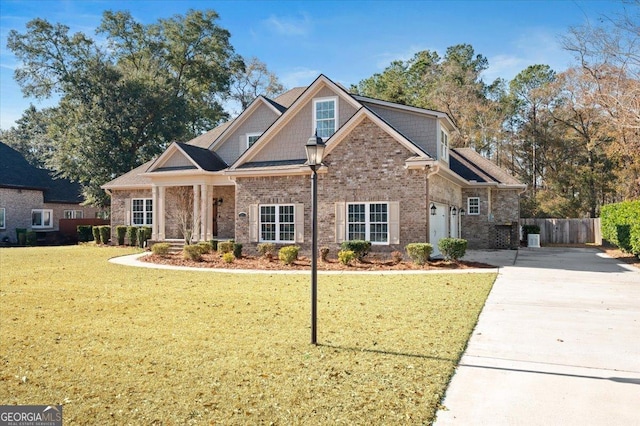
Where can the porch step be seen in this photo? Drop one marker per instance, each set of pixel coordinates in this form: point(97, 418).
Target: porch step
point(174, 246)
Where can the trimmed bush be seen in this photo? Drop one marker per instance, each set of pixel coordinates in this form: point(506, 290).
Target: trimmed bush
point(228, 257)
point(237, 250)
point(132, 233)
point(267, 250)
point(121, 232)
point(359, 247)
point(396, 256)
point(453, 248)
point(346, 256)
point(31, 238)
point(105, 233)
point(214, 245)
point(84, 233)
point(144, 233)
point(95, 230)
point(419, 252)
point(161, 249)
point(192, 252)
point(288, 254)
point(205, 247)
point(225, 247)
point(620, 224)
point(324, 253)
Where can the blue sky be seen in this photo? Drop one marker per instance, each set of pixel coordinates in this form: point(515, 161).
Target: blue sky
point(345, 40)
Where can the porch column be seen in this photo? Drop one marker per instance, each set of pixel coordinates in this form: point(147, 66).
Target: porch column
point(154, 213)
point(210, 202)
point(196, 213)
point(204, 211)
point(161, 212)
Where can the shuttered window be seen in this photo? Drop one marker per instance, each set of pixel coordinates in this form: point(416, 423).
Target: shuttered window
point(277, 223)
point(375, 222)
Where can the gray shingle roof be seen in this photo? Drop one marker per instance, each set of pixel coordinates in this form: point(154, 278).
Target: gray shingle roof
point(207, 160)
point(473, 166)
point(16, 172)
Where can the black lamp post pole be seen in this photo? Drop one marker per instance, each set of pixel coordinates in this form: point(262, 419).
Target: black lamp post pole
point(314, 254)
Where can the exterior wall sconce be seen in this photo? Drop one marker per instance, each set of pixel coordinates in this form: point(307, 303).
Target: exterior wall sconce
point(461, 211)
point(454, 211)
point(433, 209)
point(219, 201)
point(242, 214)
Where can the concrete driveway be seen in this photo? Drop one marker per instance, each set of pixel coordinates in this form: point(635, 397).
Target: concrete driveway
point(558, 343)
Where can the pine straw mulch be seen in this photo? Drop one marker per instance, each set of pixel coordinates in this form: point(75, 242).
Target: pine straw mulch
point(373, 262)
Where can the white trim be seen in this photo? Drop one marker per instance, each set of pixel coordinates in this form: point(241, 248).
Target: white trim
point(314, 117)
point(277, 223)
point(250, 135)
point(43, 224)
point(73, 214)
point(469, 212)
point(367, 222)
point(144, 212)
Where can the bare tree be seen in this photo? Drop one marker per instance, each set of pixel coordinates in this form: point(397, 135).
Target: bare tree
point(253, 80)
point(183, 213)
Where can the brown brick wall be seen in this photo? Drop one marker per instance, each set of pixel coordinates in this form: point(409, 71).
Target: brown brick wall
point(480, 230)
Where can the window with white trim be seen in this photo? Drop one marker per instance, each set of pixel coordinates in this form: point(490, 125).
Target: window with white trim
point(252, 138)
point(444, 145)
point(41, 218)
point(369, 222)
point(3, 220)
point(325, 113)
point(473, 205)
point(277, 223)
point(142, 211)
point(73, 214)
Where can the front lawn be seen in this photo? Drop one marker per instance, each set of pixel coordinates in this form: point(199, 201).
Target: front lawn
point(123, 345)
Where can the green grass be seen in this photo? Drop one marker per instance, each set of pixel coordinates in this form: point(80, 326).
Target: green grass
point(123, 345)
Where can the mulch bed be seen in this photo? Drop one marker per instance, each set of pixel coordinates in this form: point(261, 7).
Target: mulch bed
point(372, 263)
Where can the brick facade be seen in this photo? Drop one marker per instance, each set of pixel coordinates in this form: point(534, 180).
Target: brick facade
point(481, 231)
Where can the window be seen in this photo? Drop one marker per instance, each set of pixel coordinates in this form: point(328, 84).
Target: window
point(444, 145)
point(3, 223)
point(41, 218)
point(368, 221)
point(473, 205)
point(142, 209)
point(325, 112)
point(277, 223)
point(73, 214)
point(252, 138)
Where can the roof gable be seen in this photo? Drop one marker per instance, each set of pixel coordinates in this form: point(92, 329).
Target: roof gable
point(474, 167)
point(182, 156)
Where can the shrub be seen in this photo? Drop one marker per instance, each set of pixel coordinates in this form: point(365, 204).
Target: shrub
point(228, 257)
point(84, 233)
point(614, 217)
point(31, 238)
point(192, 252)
point(346, 256)
point(95, 230)
point(635, 241)
point(288, 254)
point(132, 233)
point(225, 247)
point(267, 250)
point(105, 233)
point(214, 245)
point(205, 247)
point(237, 250)
point(419, 252)
point(161, 249)
point(324, 253)
point(144, 233)
point(359, 247)
point(529, 229)
point(396, 256)
point(121, 232)
point(452, 248)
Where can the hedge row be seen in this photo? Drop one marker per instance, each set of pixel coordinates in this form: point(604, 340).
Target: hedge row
point(138, 235)
point(620, 223)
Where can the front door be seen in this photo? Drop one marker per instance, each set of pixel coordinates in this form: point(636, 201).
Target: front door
point(438, 227)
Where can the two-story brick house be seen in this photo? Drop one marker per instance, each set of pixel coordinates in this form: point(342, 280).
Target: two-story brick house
point(388, 176)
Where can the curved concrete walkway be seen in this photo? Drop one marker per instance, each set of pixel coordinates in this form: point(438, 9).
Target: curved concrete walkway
point(498, 258)
point(557, 343)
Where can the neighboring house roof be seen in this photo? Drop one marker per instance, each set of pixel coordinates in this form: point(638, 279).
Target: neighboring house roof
point(16, 172)
point(290, 96)
point(474, 167)
point(206, 139)
point(134, 178)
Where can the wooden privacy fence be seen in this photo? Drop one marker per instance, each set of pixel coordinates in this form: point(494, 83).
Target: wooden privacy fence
point(567, 231)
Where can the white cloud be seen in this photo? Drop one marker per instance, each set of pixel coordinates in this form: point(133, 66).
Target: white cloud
point(289, 25)
point(299, 77)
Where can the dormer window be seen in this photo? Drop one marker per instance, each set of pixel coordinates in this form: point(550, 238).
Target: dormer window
point(444, 145)
point(252, 138)
point(325, 113)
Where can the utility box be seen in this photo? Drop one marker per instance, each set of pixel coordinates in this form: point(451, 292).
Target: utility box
point(533, 240)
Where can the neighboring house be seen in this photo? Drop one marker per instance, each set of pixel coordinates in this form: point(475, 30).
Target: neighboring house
point(389, 176)
point(33, 199)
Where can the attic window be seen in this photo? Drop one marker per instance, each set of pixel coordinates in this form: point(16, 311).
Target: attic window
point(444, 145)
point(252, 138)
point(325, 113)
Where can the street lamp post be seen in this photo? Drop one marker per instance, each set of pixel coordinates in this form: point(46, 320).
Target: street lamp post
point(315, 151)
